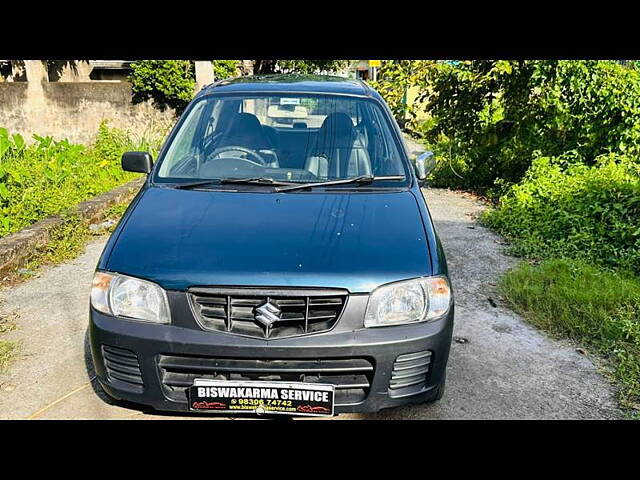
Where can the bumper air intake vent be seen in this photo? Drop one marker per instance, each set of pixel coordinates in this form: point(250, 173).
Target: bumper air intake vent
point(409, 373)
point(122, 368)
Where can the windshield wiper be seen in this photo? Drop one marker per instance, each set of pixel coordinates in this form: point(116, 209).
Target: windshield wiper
point(188, 185)
point(255, 181)
point(246, 181)
point(342, 181)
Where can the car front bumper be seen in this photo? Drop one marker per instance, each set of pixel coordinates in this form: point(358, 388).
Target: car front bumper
point(142, 350)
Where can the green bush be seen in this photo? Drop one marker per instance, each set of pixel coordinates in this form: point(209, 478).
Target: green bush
point(568, 209)
point(304, 67)
point(49, 176)
point(504, 114)
point(394, 80)
point(493, 117)
point(169, 83)
point(576, 300)
point(224, 69)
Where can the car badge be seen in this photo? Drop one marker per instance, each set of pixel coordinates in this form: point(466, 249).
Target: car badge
point(267, 314)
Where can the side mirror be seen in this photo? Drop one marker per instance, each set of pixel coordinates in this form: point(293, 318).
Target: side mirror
point(425, 163)
point(137, 162)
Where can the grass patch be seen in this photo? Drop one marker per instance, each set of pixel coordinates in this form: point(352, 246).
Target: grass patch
point(597, 308)
point(7, 349)
point(116, 211)
point(7, 352)
point(66, 242)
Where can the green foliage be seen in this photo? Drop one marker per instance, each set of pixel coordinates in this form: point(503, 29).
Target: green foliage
point(224, 69)
point(556, 141)
point(310, 66)
point(169, 83)
point(8, 349)
point(49, 176)
point(298, 66)
point(395, 77)
point(7, 352)
point(489, 119)
point(67, 241)
point(568, 209)
point(500, 115)
point(576, 300)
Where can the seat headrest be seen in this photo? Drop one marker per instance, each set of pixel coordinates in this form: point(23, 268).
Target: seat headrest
point(245, 130)
point(337, 131)
point(242, 122)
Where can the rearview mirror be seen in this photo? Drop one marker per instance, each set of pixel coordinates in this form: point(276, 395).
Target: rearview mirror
point(137, 162)
point(425, 163)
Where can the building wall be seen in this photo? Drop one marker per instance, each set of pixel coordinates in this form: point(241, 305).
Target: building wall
point(74, 110)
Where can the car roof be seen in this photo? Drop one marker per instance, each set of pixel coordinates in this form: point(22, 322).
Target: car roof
point(290, 83)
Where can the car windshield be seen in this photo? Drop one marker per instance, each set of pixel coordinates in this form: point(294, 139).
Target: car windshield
point(297, 138)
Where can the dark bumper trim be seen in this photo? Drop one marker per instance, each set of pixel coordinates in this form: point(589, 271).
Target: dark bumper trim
point(382, 345)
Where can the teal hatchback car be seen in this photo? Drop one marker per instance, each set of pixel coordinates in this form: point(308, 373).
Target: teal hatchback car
point(279, 259)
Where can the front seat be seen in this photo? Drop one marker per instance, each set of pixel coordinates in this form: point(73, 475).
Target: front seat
point(245, 130)
point(338, 151)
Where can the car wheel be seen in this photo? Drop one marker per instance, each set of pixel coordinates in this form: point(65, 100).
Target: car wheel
point(439, 390)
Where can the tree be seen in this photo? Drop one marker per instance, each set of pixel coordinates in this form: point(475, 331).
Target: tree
point(298, 66)
point(495, 116)
point(225, 69)
point(169, 83)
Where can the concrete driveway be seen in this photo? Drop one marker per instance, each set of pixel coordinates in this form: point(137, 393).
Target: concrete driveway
point(500, 367)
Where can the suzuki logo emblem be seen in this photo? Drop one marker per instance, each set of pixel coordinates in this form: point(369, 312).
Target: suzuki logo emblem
point(267, 314)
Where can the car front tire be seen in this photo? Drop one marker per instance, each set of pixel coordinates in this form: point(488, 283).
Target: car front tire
point(439, 390)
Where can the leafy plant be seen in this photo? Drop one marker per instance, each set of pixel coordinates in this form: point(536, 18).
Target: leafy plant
point(298, 66)
point(568, 209)
point(500, 115)
point(224, 69)
point(394, 80)
point(489, 119)
point(7, 352)
point(49, 176)
point(169, 83)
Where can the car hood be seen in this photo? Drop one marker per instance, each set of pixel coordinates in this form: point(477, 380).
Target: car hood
point(357, 241)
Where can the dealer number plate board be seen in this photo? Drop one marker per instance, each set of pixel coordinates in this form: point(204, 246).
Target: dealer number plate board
point(287, 398)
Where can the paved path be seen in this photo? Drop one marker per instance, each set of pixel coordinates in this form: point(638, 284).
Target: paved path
point(503, 368)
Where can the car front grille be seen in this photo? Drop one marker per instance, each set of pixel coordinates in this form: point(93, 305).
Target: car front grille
point(351, 376)
point(122, 366)
point(267, 313)
point(409, 373)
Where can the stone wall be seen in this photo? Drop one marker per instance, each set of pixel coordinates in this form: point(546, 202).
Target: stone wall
point(74, 110)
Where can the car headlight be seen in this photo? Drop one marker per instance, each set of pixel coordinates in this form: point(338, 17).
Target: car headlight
point(124, 296)
point(409, 301)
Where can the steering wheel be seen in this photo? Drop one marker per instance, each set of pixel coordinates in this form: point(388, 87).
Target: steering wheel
point(258, 159)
